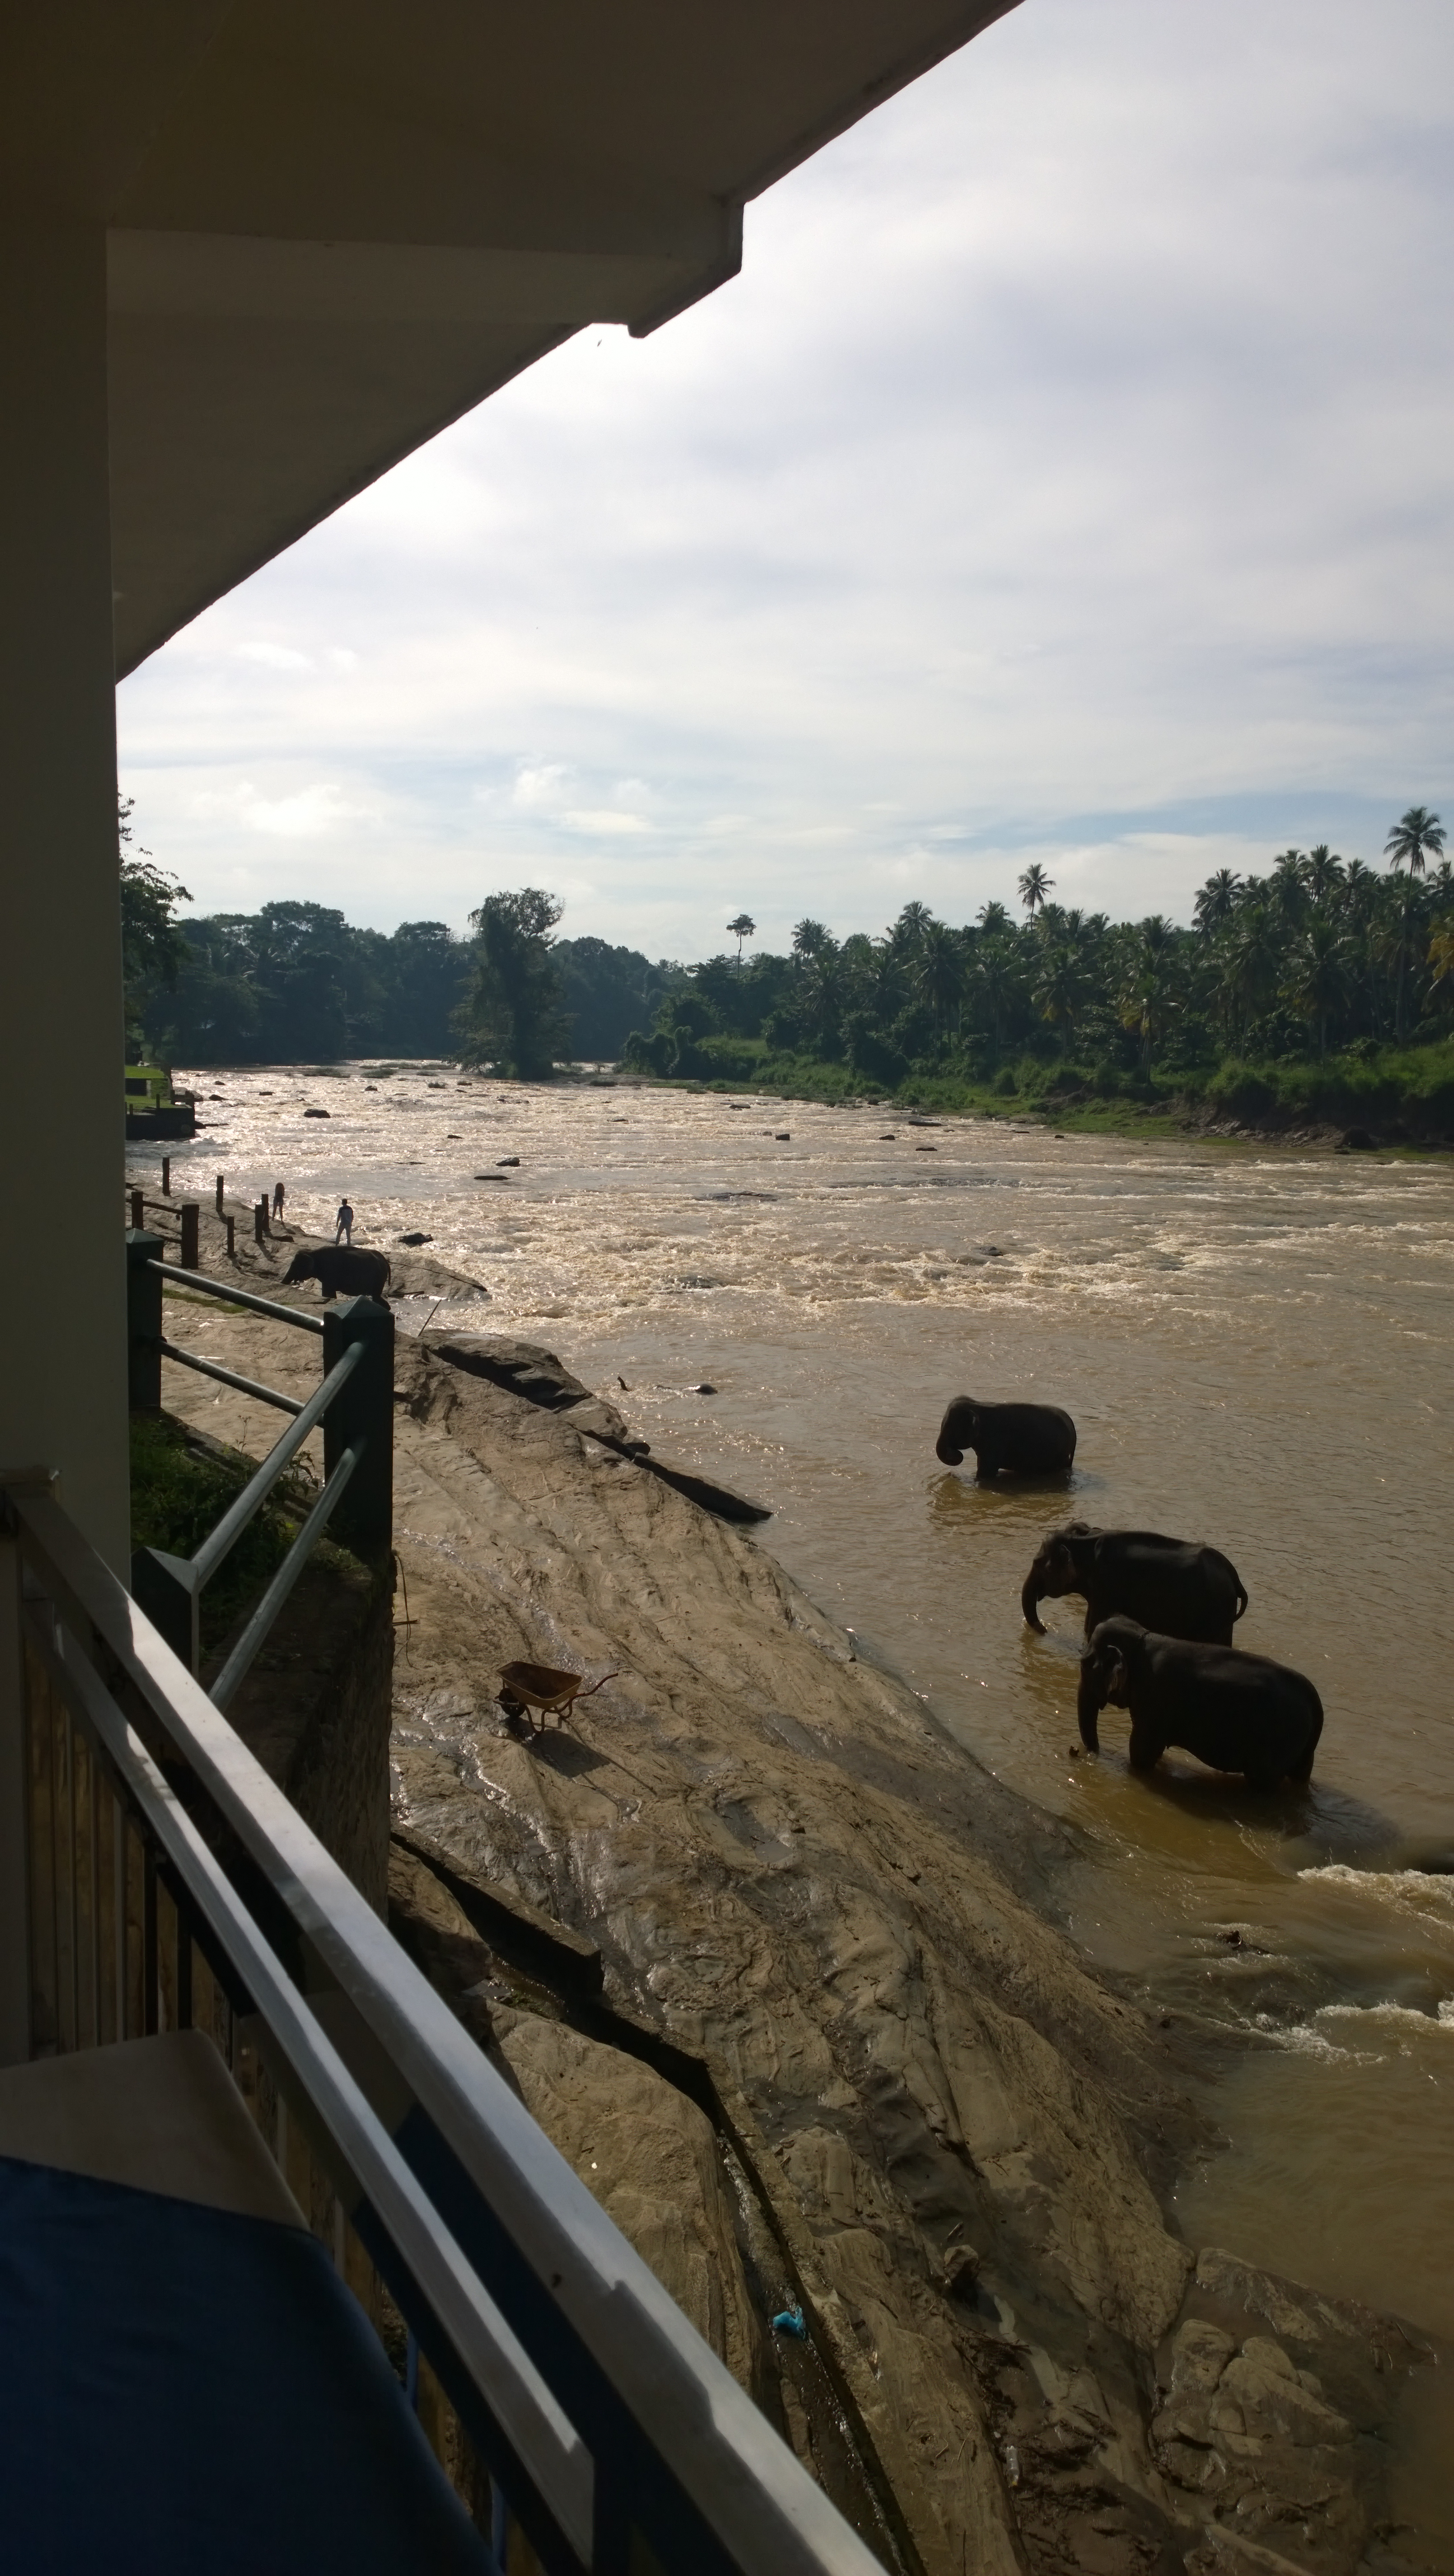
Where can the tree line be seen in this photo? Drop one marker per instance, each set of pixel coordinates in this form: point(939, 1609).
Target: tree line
point(297, 983)
point(1316, 956)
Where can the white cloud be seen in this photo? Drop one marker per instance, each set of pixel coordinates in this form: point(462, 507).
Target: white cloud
point(1066, 476)
point(540, 790)
point(275, 657)
point(606, 820)
point(305, 815)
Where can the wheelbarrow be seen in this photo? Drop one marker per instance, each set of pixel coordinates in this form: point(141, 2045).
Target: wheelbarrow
point(526, 1687)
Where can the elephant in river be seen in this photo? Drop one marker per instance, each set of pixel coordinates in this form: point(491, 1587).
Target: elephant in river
point(1168, 1584)
point(340, 1271)
point(1235, 1712)
point(1031, 1438)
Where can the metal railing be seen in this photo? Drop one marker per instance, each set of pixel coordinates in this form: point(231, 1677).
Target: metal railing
point(355, 1406)
point(157, 1878)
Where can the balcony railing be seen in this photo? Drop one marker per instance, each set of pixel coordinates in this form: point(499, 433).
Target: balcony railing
point(354, 1405)
point(152, 1878)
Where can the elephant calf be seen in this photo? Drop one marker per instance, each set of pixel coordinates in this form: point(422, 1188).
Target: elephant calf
point(1168, 1584)
point(340, 1271)
point(1023, 1437)
point(1235, 1712)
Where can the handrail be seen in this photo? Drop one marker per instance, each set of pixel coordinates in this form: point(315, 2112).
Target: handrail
point(228, 1377)
point(535, 2425)
point(639, 2382)
point(257, 1489)
point(231, 1296)
point(254, 1636)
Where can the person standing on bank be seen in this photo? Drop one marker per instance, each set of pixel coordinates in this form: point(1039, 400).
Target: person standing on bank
point(343, 1232)
point(279, 1194)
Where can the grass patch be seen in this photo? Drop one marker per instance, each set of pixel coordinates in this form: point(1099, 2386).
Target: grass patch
point(182, 1483)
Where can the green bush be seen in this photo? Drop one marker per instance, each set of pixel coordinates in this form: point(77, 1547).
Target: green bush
point(181, 1484)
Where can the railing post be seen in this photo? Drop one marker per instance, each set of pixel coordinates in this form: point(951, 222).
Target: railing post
point(190, 1216)
point(143, 1322)
point(363, 1410)
point(14, 1786)
point(166, 1588)
point(220, 1187)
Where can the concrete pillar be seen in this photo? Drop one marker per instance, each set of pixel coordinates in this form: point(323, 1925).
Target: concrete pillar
point(63, 1283)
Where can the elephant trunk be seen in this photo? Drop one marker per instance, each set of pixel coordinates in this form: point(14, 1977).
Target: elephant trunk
point(957, 1425)
point(1031, 1596)
point(1088, 1708)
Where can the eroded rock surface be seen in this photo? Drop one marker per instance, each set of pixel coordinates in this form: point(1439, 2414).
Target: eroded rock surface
point(961, 2134)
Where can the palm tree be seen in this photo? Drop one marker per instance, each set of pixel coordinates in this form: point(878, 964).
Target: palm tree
point(1148, 1000)
point(1252, 958)
point(1288, 886)
point(940, 976)
point(744, 927)
point(1416, 836)
point(996, 976)
point(1318, 984)
point(1217, 900)
point(909, 931)
point(1034, 887)
point(1324, 874)
point(1060, 989)
point(993, 920)
point(812, 939)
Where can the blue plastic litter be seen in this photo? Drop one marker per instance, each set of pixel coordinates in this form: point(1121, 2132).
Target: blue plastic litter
point(790, 2321)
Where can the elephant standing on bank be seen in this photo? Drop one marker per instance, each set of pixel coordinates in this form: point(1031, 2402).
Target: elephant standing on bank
point(1025, 1438)
point(1235, 1712)
point(1168, 1584)
point(340, 1271)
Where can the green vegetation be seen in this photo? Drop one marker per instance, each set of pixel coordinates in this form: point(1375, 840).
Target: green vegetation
point(512, 1017)
point(181, 1484)
point(296, 983)
point(1321, 991)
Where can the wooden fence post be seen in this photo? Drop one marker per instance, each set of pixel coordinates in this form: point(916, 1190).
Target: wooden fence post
point(231, 1242)
point(190, 1214)
point(220, 1186)
point(138, 1210)
point(260, 1221)
point(166, 1176)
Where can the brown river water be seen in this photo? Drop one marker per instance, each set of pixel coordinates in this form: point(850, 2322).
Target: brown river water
point(1255, 1344)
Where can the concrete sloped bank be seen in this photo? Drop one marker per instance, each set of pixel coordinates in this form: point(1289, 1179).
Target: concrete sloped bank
point(768, 1956)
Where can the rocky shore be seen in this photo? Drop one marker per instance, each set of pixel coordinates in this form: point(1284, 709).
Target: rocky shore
point(775, 1963)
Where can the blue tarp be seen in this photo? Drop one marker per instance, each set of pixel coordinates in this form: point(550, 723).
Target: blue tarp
point(188, 2392)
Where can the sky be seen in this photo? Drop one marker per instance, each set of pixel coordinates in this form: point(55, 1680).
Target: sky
point(1068, 476)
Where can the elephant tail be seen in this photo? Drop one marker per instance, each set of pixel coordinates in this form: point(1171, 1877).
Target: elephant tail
point(1241, 1599)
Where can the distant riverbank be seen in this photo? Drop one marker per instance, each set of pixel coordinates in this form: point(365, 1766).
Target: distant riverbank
point(1396, 1095)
